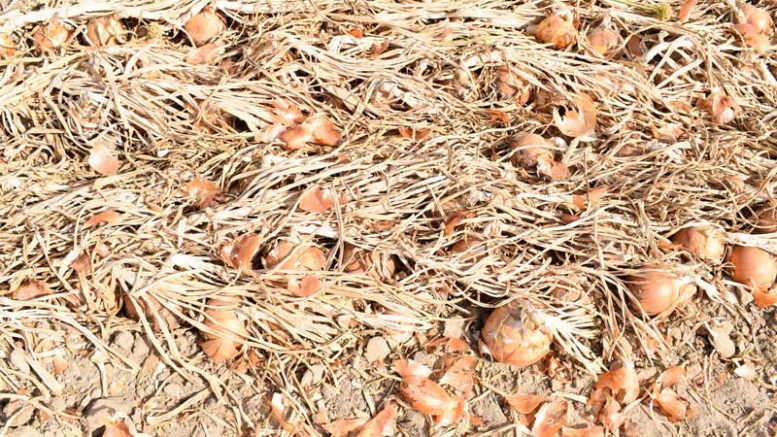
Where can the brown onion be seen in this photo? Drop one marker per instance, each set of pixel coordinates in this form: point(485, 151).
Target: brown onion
point(289, 256)
point(722, 108)
point(513, 336)
point(752, 37)
point(557, 31)
point(753, 266)
point(511, 86)
point(51, 35)
point(657, 290)
point(705, 242)
point(105, 31)
point(205, 26)
point(531, 150)
point(766, 220)
point(603, 41)
point(7, 46)
point(758, 18)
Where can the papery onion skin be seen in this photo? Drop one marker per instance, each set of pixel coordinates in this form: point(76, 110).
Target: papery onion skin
point(657, 290)
point(205, 26)
point(514, 337)
point(7, 46)
point(556, 31)
point(752, 37)
point(531, 150)
point(705, 242)
point(753, 266)
point(511, 86)
point(229, 331)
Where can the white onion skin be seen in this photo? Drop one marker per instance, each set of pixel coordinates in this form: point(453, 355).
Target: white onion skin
point(514, 337)
point(753, 266)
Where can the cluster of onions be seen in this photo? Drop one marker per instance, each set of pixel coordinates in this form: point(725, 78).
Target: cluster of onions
point(603, 41)
point(658, 291)
point(52, 35)
point(723, 109)
point(105, 31)
point(514, 336)
point(534, 151)
point(297, 258)
point(229, 331)
point(205, 26)
point(427, 396)
point(510, 85)
point(756, 28)
point(557, 30)
point(705, 242)
point(7, 46)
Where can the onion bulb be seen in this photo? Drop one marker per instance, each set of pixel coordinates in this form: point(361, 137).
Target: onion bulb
point(766, 220)
point(229, 331)
point(317, 199)
point(758, 18)
point(240, 253)
point(201, 191)
point(373, 263)
point(205, 26)
point(580, 121)
point(753, 266)
point(603, 41)
point(531, 150)
point(7, 46)
point(289, 256)
point(752, 37)
point(705, 242)
point(102, 158)
point(513, 336)
point(105, 31)
point(722, 108)
point(51, 35)
point(511, 86)
point(557, 31)
point(657, 290)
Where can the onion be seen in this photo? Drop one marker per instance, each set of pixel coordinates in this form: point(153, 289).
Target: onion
point(240, 253)
point(657, 290)
point(603, 41)
point(758, 18)
point(579, 122)
point(754, 267)
point(103, 159)
point(7, 46)
point(316, 199)
point(557, 31)
point(766, 220)
point(511, 86)
point(105, 31)
point(201, 191)
point(205, 26)
point(532, 151)
point(752, 37)
point(51, 35)
point(229, 331)
point(289, 256)
point(705, 242)
point(722, 108)
point(513, 336)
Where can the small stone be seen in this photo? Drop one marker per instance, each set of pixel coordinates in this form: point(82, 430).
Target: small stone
point(124, 340)
point(173, 390)
point(377, 349)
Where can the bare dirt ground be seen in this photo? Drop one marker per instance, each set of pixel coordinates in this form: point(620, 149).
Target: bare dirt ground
point(255, 218)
